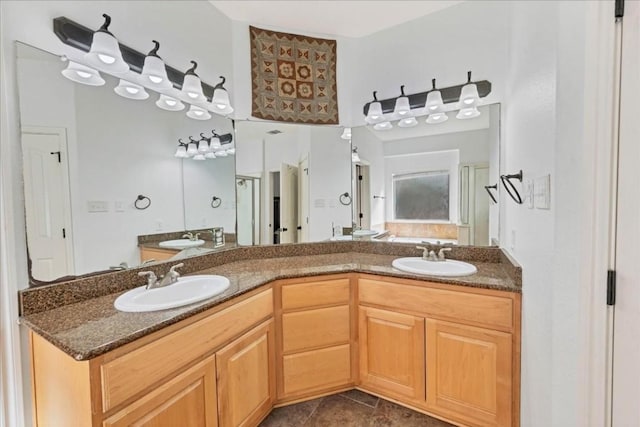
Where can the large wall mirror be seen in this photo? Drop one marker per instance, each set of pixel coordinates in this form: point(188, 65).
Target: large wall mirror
point(289, 183)
point(430, 183)
point(87, 156)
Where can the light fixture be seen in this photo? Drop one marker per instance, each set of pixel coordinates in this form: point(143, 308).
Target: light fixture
point(221, 153)
point(346, 133)
point(192, 148)
point(407, 122)
point(434, 102)
point(220, 101)
point(203, 146)
point(469, 94)
point(105, 51)
point(154, 72)
point(383, 126)
point(168, 103)
point(355, 157)
point(210, 155)
point(192, 86)
point(437, 118)
point(468, 113)
point(126, 89)
point(199, 156)
point(402, 107)
point(198, 113)
point(374, 114)
point(231, 151)
point(181, 151)
point(82, 74)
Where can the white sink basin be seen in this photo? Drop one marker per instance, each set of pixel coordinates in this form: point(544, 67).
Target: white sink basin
point(181, 243)
point(364, 233)
point(342, 238)
point(448, 268)
point(186, 290)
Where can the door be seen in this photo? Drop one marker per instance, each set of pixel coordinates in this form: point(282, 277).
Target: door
point(362, 197)
point(288, 203)
point(303, 201)
point(392, 353)
point(246, 377)
point(246, 210)
point(187, 400)
point(626, 345)
point(47, 202)
point(469, 373)
point(480, 207)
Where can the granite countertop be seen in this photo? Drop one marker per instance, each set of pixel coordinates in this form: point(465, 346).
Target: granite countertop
point(93, 327)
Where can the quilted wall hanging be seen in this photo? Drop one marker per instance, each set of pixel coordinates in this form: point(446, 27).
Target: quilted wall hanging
point(293, 78)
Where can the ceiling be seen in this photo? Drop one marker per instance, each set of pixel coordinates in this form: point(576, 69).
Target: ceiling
point(335, 18)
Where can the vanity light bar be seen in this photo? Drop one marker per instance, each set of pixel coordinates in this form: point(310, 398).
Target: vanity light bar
point(418, 100)
point(80, 37)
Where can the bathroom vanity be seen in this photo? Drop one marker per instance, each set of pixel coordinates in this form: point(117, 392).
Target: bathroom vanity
point(289, 328)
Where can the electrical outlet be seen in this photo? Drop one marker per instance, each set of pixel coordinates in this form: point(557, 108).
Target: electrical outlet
point(542, 192)
point(97, 206)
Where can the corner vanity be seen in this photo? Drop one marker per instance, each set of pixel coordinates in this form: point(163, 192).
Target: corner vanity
point(297, 322)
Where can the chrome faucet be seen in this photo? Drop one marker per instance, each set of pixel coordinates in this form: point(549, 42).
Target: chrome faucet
point(427, 255)
point(170, 278)
point(441, 253)
point(191, 236)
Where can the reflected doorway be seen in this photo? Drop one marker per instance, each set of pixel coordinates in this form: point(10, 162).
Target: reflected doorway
point(248, 210)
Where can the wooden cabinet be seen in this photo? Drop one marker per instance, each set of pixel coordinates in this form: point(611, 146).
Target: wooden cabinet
point(246, 378)
point(316, 351)
point(156, 254)
point(182, 401)
point(392, 353)
point(469, 373)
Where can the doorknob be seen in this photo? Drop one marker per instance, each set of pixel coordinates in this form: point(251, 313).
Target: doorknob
point(284, 229)
point(299, 227)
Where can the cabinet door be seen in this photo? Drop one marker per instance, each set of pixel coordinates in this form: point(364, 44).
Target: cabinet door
point(246, 377)
point(469, 373)
point(392, 353)
point(187, 400)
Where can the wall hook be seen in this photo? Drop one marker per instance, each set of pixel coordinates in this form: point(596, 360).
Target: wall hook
point(216, 202)
point(489, 188)
point(345, 198)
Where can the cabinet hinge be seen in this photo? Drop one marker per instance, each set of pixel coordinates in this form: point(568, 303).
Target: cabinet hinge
point(359, 177)
point(619, 9)
point(64, 233)
point(611, 287)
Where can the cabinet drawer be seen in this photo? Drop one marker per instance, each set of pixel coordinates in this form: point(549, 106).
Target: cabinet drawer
point(315, 328)
point(317, 369)
point(487, 310)
point(315, 294)
point(132, 373)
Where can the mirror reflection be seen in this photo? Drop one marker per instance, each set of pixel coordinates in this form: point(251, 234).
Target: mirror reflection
point(289, 182)
point(426, 184)
point(89, 155)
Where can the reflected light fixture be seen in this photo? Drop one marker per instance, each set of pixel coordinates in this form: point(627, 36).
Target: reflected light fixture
point(346, 133)
point(231, 151)
point(168, 103)
point(126, 89)
point(154, 72)
point(199, 157)
point(355, 157)
point(407, 122)
point(181, 151)
point(434, 102)
point(192, 148)
point(437, 118)
point(220, 102)
point(105, 51)
point(468, 113)
point(374, 114)
point(203, 146)
point(198, 113)
point(192, 86)
point(402, 107)
point(82, 74)
point(383, 126)
point(469, 94)
point(221, 153)
point(210, 155)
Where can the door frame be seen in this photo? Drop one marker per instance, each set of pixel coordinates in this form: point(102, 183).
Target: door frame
point(66, 185)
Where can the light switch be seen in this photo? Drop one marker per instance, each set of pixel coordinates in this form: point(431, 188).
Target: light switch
point(97, 206)
point(542, 192)
point(528, 193)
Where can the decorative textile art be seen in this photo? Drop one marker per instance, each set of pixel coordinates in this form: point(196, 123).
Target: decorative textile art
point(293, 78)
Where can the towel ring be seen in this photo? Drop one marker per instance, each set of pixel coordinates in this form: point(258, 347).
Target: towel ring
point(345, 199)
point(142, 206)
point(489, 188)
point(511, 189)
point(216, 202)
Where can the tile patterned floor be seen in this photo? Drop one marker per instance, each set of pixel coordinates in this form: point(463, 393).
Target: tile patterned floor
point(349, 409)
